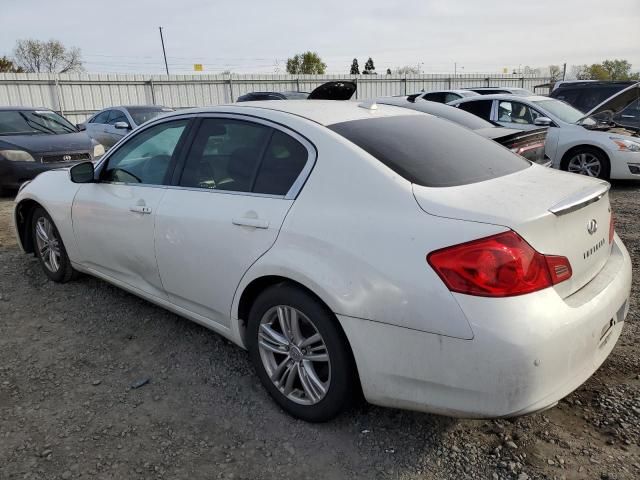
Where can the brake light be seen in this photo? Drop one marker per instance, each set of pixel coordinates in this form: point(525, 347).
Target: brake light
point(612, 228)
point(501, 265)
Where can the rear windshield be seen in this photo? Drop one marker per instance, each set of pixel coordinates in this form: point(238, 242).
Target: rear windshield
point(431, 152)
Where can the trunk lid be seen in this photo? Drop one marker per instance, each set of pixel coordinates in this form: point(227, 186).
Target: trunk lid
point(557, 213)
point(528, 143)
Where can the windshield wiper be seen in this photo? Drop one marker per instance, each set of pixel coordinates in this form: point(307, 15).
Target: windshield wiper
point(38, 126)
point(56, 121)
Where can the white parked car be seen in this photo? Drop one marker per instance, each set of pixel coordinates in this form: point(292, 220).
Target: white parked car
point(350, 246)
point(591, 144)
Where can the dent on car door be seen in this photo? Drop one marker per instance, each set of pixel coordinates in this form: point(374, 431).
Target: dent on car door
point(225, 210)
point(113, 218)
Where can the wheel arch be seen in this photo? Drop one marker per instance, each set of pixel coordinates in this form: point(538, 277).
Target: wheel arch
point(257, 285)
point(22, 220)
point(589, 146)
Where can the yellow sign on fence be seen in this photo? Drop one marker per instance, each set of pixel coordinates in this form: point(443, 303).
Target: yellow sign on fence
point(197, 67)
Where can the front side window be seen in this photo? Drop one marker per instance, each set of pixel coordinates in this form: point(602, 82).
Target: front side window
point(514, 112)
point(239, 156)
point(146, 157)
point(117, 116)
point(481, 108)
point(102, 117)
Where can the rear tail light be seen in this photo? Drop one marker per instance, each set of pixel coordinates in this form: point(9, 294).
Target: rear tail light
point(612, 228)
point(501, 265)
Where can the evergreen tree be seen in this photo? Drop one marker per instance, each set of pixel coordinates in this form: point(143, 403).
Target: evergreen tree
point(355, 68)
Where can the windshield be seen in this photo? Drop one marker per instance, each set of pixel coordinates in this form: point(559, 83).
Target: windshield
point(141, 115)
point(33, 122)
point(563, 111)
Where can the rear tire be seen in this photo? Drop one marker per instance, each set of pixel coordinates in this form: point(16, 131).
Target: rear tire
point(587, 161)
point(48, 247)
point(300, 354)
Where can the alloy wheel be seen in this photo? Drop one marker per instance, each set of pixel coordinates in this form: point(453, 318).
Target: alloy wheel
point(294, 355)
point(585, 164)
point(48, 244)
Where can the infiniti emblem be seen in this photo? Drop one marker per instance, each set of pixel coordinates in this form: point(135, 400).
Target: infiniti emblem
point(66, 158)
point(592, 226)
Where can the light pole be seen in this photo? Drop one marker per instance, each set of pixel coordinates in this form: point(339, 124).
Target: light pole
point(164, 53)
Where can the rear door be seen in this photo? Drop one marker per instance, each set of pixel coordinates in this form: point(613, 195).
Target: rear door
point(114, 218)
point(226, 206)
point(96, 126)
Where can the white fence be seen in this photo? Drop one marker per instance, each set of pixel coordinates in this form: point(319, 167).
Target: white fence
point(78, 95)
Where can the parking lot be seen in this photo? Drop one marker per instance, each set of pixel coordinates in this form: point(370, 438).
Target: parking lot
point(70, 354)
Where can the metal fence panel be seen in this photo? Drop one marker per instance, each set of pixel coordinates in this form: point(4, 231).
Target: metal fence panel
point(79, 95)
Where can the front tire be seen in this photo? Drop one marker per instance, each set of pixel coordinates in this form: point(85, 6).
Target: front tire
point(587, 161)
point(301, 356)
point(48, 247)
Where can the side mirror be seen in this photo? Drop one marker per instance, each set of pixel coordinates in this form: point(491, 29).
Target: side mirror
point(82, 173)
point(122, 125)
point(81, 127)
point(543, 122)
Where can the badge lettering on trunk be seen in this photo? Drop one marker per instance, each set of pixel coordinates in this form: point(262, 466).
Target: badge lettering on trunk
point(592, 226)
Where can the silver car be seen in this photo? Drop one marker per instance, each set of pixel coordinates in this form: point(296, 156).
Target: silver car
point(108, 126)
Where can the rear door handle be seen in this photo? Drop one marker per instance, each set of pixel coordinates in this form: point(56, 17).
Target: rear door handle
point(250, 222)
point(140, 209)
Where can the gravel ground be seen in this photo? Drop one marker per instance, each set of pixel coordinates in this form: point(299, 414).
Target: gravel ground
point(70, 354)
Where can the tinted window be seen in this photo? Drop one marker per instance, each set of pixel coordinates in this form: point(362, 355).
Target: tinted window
point(434, 97)
point(430, 152)
point(282, 163)
point(481, 108)
point(33, 122)
point(102, 117)
point(117, 116)
point(225, 155)
point(146, 157)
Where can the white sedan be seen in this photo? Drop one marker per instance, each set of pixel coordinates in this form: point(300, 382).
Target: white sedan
point(350, 247)
point(591, 144)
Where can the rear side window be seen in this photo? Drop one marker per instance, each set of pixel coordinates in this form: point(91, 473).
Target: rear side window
point(431, 152)
point(240, 156)
point(480, 108)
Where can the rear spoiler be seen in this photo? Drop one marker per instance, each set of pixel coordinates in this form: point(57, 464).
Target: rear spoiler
point(580, 199)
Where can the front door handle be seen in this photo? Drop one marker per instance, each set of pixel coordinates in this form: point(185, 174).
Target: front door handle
point(250, 222)
point(140, 209)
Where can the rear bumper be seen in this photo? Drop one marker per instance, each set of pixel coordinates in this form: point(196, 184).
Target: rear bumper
point(527, 353)
point(14, 174)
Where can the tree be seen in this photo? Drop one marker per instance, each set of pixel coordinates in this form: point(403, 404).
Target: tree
point(369, 68)
point(307, 63)
point(617, 69)
point(7, 66)
point(407, 70)
point(355, 68)
point(48, 57)
point(388, 71)
point(555, 72)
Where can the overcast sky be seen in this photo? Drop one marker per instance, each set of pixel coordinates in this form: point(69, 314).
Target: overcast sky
point(257, 36)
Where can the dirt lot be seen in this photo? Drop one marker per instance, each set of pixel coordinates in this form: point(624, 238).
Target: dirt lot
point(70, 353)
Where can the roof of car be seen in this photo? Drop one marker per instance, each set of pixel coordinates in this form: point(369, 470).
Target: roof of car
point(501, 96)
point(4, 109)
point(324, 112)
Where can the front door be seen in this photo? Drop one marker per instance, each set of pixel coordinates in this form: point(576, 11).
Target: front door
point(114, 219)
point(225, 211)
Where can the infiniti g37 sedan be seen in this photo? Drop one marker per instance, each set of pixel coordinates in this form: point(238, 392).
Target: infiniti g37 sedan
point(351, 247)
